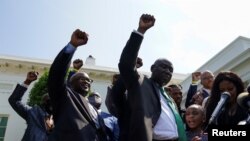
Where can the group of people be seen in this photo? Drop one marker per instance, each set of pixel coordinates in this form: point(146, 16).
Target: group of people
point(146, 108)
point(209, 95)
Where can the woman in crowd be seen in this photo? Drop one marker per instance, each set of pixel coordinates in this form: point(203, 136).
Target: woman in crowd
point(232, 113)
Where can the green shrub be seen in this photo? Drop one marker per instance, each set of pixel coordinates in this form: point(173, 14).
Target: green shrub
point(38, 90)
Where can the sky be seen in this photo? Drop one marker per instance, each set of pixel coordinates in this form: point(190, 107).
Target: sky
point(186, 32)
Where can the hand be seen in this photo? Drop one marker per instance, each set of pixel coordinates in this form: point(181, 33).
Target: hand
point(77, 64)
point(196, 138)
point(196, 76)
point(146, 22)
point(139, 62)
point(79, 38)
point(198, 98)
point(31, 76)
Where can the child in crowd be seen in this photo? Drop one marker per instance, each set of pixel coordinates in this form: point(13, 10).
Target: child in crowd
point(195, 119)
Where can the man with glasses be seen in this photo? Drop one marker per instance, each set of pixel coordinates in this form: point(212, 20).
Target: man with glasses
point(206, 80)
point(75, 118)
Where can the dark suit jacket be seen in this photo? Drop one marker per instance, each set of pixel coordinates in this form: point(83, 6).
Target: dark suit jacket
point(191, 92)
point(71, 111)
point(34, 116)
point(109, 101)
point(143, 94)
point(119, 101)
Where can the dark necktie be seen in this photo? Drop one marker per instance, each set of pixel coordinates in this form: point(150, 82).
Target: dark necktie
point(178, 119)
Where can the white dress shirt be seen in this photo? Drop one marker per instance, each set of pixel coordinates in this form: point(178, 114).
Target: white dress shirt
point(165, 127)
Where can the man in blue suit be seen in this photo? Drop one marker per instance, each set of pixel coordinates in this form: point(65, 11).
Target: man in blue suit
point(39, 119)
point(110, 121)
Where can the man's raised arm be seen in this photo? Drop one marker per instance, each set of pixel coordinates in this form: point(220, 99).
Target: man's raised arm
point(127, 64)
point(58, 70)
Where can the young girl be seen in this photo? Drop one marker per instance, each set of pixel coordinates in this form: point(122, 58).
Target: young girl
point(195, 119)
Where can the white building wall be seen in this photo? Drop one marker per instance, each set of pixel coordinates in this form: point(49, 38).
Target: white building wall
point(15, 125)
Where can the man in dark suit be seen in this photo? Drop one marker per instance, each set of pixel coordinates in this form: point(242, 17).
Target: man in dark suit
point(39, 119)
point(151, 113)
point(118, 98)
point(75, 118)
point(199, 96)
point(174, 90)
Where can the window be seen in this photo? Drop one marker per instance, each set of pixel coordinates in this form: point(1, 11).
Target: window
point(3, 126)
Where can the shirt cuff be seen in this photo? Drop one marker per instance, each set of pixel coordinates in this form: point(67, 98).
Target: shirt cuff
point(137, 32)
point(194, 83)
point(70, 48)
point(24, 85)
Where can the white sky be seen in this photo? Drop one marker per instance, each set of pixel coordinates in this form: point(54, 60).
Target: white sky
point(187, 32)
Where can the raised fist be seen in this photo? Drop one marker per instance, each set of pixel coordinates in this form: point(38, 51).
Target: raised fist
point(79, 38)
point(196, 76)
point(31, 76)
point(77, 64)
point(139, 62)
point(146, 22)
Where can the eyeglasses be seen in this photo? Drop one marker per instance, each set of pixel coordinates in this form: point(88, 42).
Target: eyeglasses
point(85, 79)
point(208, 77)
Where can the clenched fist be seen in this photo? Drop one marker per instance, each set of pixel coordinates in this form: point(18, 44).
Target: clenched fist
point(79, 38)
point(196, 76)
point(31, 76)
point(146, 22)
point(77, 64)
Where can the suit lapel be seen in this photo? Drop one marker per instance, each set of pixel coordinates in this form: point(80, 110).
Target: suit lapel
point(156, 89)
point(205, 93)
point(82, 106)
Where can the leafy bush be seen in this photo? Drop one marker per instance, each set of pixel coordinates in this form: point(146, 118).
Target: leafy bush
point(38, 90)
